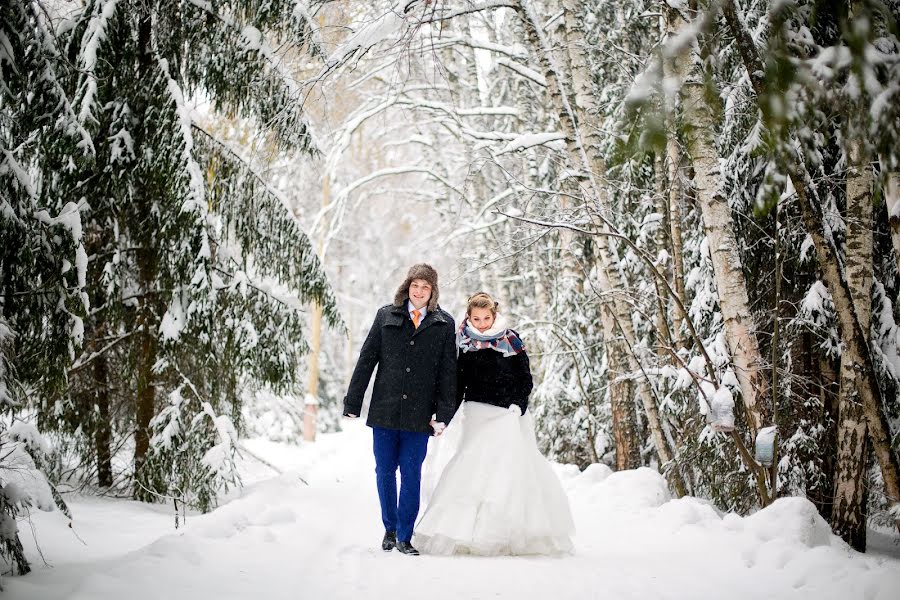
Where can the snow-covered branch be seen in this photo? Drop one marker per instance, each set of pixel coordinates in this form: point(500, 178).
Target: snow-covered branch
point(524, 71)
point(254, 40)
point(397, 171)
point(530, 140)
point(448, 13)
point(197, 184)
point(93, 36)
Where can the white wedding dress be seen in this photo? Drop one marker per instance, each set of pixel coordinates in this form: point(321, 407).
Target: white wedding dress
point(489, 491)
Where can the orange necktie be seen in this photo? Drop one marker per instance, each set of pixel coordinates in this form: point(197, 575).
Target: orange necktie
point(416, 314)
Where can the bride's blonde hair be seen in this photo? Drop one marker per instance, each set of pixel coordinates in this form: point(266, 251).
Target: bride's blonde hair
point(482, 300)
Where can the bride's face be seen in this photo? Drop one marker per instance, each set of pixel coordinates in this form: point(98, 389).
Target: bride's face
point(481, 319)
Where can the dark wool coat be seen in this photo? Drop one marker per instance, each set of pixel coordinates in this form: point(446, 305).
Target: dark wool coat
point(416, 376)
point(488, 376)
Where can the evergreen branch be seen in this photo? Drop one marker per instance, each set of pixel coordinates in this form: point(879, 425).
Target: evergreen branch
point(257, 218)
point(196, 188)
point(74, 125)
point(259, 289)
point(82, 363)
point(258, 83)
point(93, 36)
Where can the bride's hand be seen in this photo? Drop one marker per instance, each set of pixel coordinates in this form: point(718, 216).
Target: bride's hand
point(438, 427)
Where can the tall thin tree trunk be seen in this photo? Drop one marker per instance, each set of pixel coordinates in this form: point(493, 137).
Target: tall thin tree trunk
point(586, 134)
point(583, 145)
point(854, 343)
point(311, 402)
point(97, 391)
point(673, 175)
point(103, 431)
point(718, 224)
point(892, 199)
point(628, 454)
point(146, 384)
point(148, 319)
point(662, 243)
point(848, 518)
point(829, 392)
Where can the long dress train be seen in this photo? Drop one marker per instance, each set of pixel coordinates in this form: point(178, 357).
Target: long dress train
point(497, 495)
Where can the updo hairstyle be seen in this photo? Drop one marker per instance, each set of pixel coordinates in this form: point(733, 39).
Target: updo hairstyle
point(482, 300)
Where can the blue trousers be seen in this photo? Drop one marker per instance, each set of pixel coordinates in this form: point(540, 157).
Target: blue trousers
point(404, 450)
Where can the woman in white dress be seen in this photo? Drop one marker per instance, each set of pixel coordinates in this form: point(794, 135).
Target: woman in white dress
point(497, 495)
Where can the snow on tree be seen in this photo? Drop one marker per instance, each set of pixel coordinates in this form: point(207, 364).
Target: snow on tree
point(179, 266)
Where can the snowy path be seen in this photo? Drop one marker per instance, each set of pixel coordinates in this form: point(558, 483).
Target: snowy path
point(279, 538)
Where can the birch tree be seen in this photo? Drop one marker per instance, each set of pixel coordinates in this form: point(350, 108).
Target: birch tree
point(718, 224)
point(855, 348)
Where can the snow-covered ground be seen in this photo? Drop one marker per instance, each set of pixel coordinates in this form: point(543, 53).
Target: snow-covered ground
point(313, 531)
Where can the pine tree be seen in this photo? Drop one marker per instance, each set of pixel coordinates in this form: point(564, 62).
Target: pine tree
point(190, 275)
point(42, 257)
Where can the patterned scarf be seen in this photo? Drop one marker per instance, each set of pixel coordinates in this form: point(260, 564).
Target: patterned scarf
point(498, 337)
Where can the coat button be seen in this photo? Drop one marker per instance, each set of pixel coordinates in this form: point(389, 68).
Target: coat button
point(407, 369)
point(404, 396)
point(412, 343)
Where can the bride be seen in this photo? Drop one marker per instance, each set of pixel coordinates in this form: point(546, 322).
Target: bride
point(497, 495)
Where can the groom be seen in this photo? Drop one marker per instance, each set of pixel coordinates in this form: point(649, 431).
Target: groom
point(413, 343)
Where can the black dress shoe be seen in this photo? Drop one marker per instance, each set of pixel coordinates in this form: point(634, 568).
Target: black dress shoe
point(407, 548)
point(389, 541)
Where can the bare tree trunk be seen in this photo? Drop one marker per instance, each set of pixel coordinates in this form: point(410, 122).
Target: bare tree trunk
point(671, 65)
point(97, 389)
point(853, 337)
point(628, 452)
point(148, 318)
point(146, 384)
point(718, 224)
point(624, 426)
point(311, 402)
point(892, 198)
point(855, 344)
point(586, 135)
point(848, 518)
point(628, 455)
point(583, 144)
point(829, 392)
point(103, 432)
point(663, 243)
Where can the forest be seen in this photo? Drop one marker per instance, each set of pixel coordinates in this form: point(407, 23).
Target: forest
point(689, 208)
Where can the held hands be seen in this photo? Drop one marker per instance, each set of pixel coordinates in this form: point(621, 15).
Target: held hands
point(438, 427)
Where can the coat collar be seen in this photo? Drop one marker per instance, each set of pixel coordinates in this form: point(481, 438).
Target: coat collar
point(432, 316)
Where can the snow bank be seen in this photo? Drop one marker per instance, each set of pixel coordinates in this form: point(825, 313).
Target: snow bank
point(595, 474)
point(792, 520)
point(307, 525)
point(23, 482)
point(623, 490)
point(689, 511)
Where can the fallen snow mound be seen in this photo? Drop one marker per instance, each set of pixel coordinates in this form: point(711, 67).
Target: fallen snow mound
point(793, 520)
point(622, 490)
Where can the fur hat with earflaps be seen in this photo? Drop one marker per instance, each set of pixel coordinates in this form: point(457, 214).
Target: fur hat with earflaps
point(420, 271)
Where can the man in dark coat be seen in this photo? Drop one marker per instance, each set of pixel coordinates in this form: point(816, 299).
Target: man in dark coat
point(413, 343)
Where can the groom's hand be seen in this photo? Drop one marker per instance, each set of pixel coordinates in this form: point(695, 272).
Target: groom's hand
point(350, 415)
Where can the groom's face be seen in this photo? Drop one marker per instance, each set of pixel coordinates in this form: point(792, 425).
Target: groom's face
point(419, 292)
